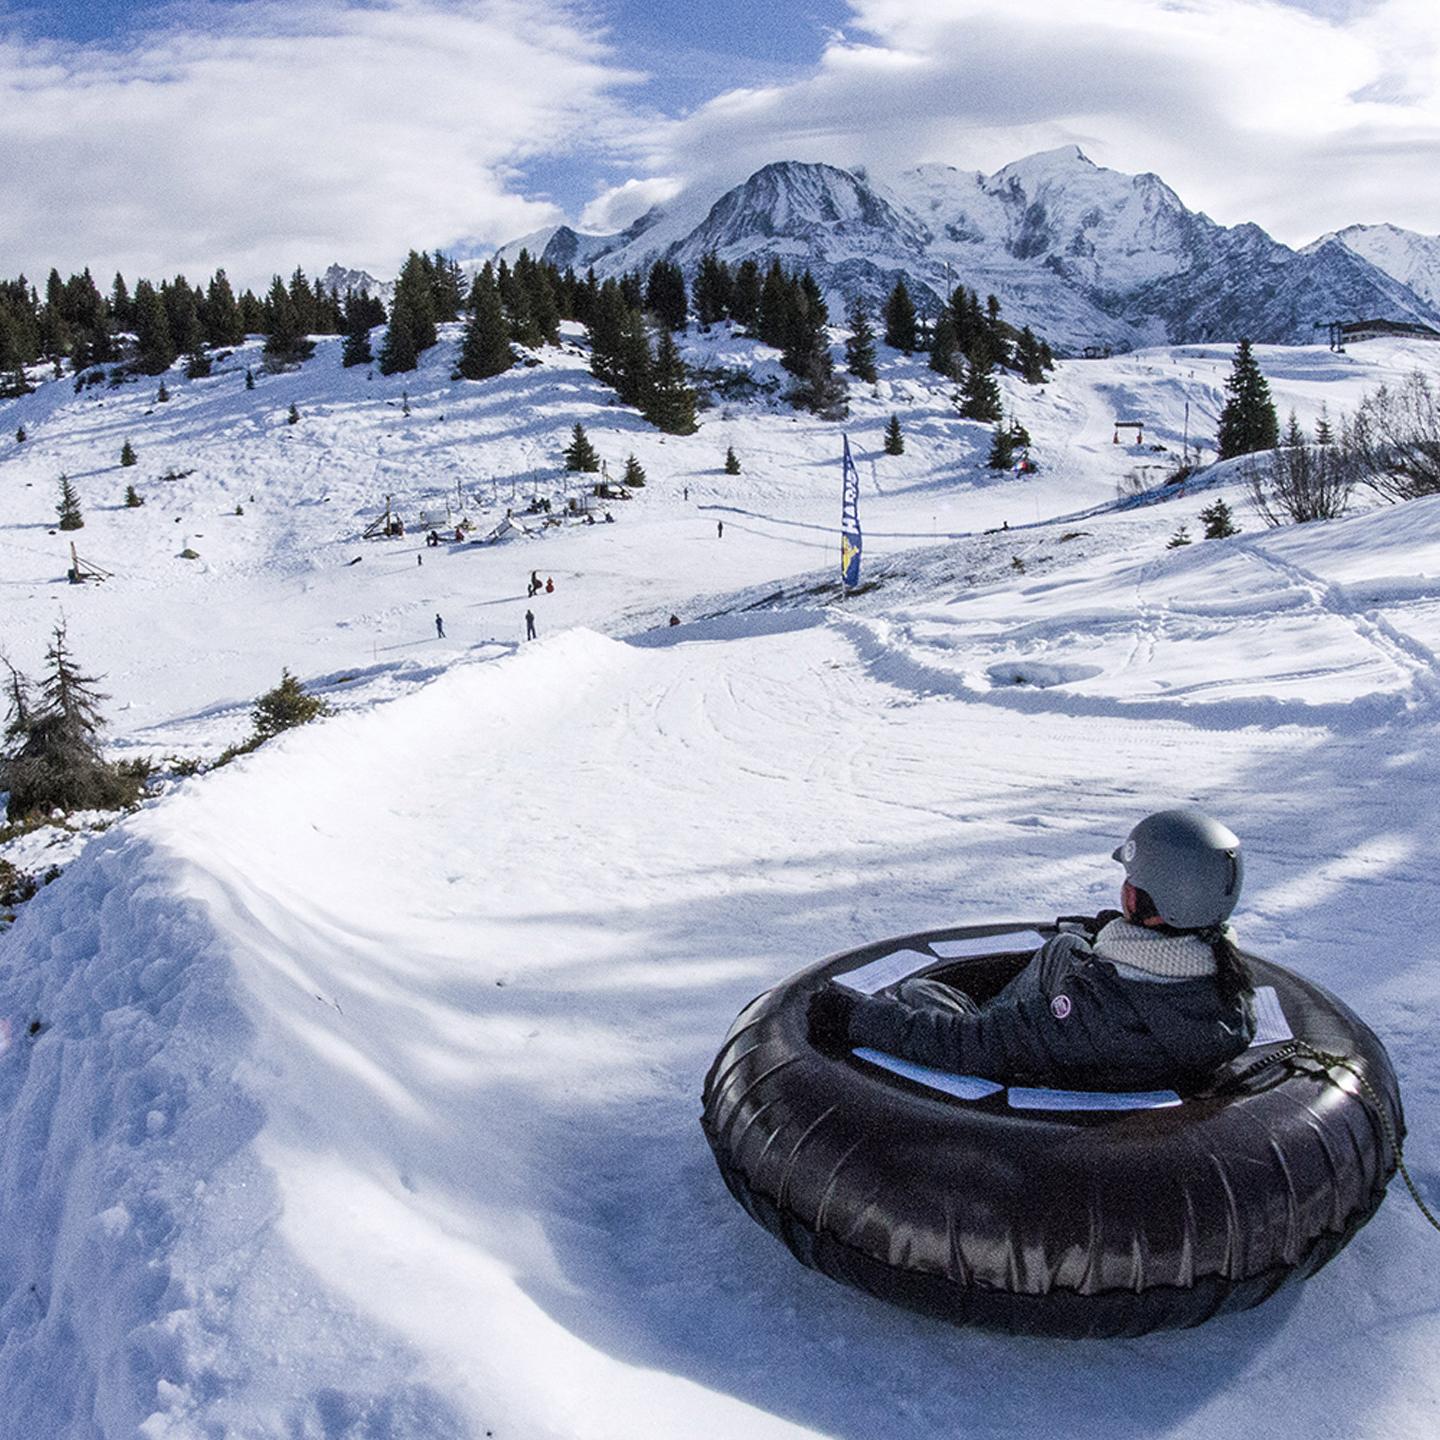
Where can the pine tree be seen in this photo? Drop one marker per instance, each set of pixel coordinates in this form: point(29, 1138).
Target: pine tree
point(224, 324)
point(745, 294)
point(398, 351)
point(580, 454)
point(133, 498)
point(665, 295)
point(1002, 449)
point(182, 309)
point(979, 392)
point(356, 350)
point(293, 418)
point(127, 454)
point(773, 314)
point(1247, 422)
point(55, 336)
point(996, 345)
point(68, 508)
point(542, 294)
point(122, 309)
point(1218, 521)
point(860, 346)
point(90, 321)
point(20, 436)
point(804, 335)
point(670, 401)
point(894, 437)
point(900, 319)
point(53, 758)
point(1028, 358)
point(515, 301)
point(286, 341)
point(485, 349)
point(634, 475)
point(942, 346)
point(732, 461)
point(607, 323)
point(289, 704)
point(155, 350)
point(1324, 435)
point(633, 361)
point(711, 290)
point(412, 317)
point(1179, 538)
point(447, 284)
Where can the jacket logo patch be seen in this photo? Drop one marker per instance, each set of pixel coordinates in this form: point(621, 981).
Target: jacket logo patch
point(1060, 1006)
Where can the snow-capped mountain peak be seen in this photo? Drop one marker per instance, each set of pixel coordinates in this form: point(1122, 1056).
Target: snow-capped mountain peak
point(342, 278)
point(1405, 255)
point(1080, 252)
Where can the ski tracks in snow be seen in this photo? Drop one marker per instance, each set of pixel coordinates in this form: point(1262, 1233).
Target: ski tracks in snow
point(1400, 650)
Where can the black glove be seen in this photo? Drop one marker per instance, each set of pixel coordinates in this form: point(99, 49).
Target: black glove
point(1092, 925)
point(828, 1019)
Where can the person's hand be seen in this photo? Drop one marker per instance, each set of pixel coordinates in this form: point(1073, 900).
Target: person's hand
point(828, 1018)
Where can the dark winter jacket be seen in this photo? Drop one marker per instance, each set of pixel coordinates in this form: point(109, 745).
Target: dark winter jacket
point(1091, 1029)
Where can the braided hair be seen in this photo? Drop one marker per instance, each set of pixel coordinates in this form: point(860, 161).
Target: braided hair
point(1232, 974)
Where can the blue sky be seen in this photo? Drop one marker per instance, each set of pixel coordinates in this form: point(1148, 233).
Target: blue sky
point(690, 49)
point(260, 133)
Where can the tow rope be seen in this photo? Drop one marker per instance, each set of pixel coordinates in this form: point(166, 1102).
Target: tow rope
point(1298, 1049)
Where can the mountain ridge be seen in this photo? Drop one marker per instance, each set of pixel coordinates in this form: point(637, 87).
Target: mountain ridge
point(1084, 254)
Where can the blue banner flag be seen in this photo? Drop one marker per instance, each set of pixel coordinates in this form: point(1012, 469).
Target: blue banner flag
point(849, 521)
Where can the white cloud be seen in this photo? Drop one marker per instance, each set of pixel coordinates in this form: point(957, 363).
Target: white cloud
point(294, 131)
point(1251, 109)
point(614, 208)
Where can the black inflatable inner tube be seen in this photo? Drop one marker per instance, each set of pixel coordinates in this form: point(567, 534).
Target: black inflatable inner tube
point(1079, 1223)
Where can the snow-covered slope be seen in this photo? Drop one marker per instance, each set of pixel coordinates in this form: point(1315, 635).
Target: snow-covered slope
point(361, 1093)
point(1084, 254)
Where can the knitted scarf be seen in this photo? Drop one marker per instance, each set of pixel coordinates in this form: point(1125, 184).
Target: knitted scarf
point(1167, 957)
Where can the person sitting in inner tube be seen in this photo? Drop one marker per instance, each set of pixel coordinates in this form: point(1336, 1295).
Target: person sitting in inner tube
point(1160, 998)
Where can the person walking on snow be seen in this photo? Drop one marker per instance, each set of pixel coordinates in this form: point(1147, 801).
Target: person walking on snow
point(1157, 995)
point(439, 627)
point(549, 585)
point(719, 529)
point(529, 624)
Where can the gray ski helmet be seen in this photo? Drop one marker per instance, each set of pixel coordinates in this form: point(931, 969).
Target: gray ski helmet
point(1188, 864)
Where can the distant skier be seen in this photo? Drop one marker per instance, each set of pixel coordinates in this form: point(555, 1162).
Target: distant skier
point(549, 585)
point(529, 624)
point(719, 529)
point(534, 582)
point(686, 492)
point(439, 628)
point(419, 559)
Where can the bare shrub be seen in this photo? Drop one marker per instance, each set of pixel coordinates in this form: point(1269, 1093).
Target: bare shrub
point(1394, 440)
point(1298, 481)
